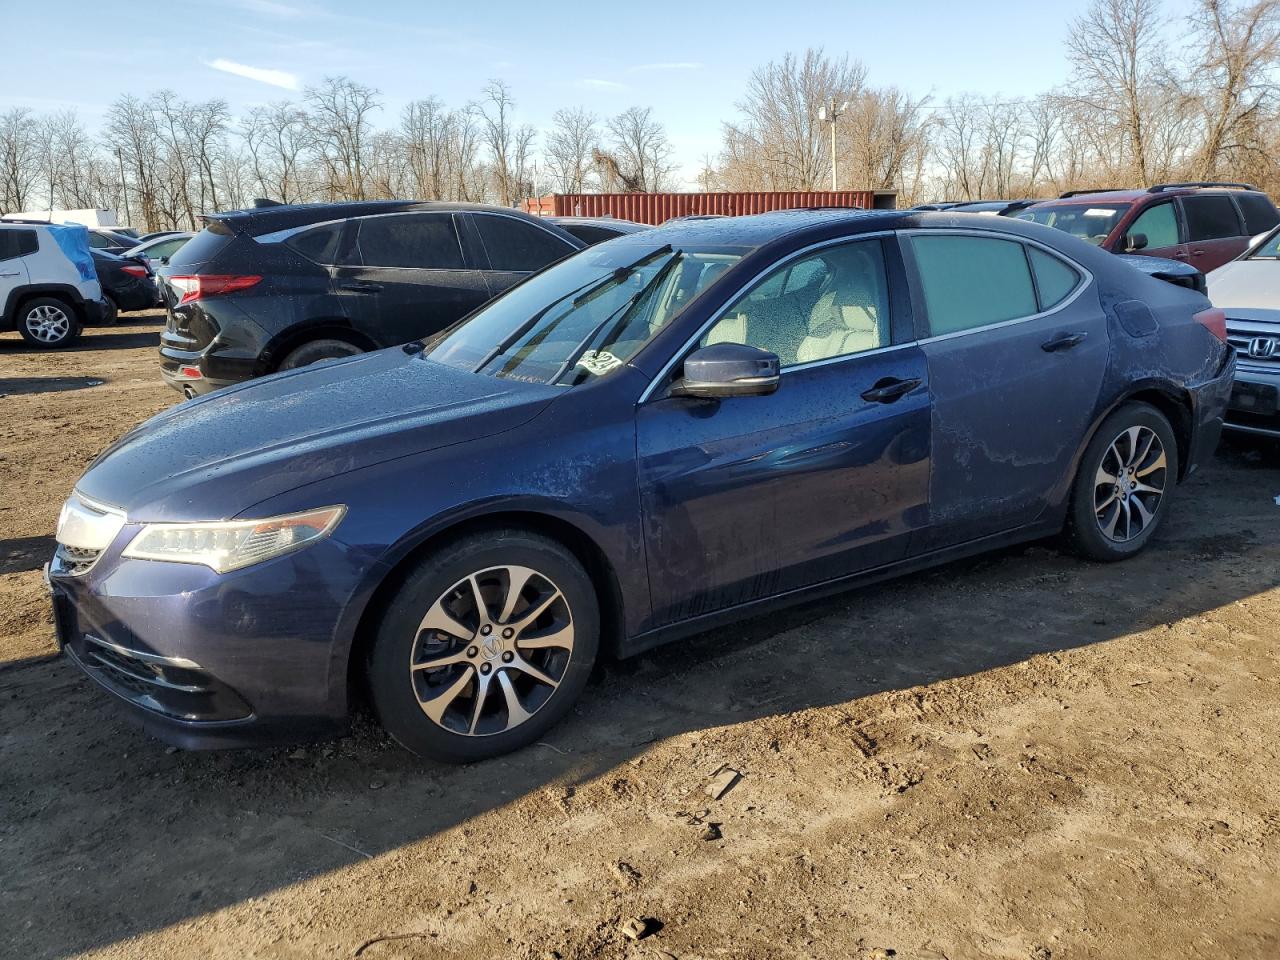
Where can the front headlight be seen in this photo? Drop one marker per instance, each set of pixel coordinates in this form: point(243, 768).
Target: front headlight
point(232, 544)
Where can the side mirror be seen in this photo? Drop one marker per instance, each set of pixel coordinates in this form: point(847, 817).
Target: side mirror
point(1135, 241)
point(728, 370)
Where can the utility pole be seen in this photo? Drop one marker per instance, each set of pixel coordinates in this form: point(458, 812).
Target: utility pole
point(830, 113)
point(124, 189)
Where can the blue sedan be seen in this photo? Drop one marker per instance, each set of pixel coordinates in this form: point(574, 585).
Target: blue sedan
point(665, 432)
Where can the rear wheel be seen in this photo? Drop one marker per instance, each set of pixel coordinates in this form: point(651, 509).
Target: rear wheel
point(317, 351)
point(48, 322)
point(1126, 477)
point(485, 645)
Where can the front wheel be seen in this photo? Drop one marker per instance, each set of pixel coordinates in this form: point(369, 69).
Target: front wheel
point(485, 645)
point(1126, 477)
point(48, 322)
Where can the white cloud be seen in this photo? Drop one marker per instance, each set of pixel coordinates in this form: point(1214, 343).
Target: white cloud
point(681, 65)
point(276, 78)
point(601, 84)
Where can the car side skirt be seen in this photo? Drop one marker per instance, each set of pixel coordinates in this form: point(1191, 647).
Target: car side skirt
point(686, 628)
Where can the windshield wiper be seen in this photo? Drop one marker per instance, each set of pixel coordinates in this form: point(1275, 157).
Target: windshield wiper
point(576, 354)
point(585, 293)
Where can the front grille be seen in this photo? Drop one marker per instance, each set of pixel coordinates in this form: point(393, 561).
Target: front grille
point(73, 561)
point(1243, 344)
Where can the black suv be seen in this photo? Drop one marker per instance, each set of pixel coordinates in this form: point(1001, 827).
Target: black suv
point(278, 287)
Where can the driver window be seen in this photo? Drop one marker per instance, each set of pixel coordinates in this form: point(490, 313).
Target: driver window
point(1159, 224)
point(829, 304)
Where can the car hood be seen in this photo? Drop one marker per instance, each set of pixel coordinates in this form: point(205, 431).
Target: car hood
point(1253, 285)
point(213, 458)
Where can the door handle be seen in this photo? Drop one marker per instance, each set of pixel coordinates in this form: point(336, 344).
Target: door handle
point(10, 274)
point(889, 389)
point(1063, 341)
point(1197, 253)
point(360, 286)
point(1182, 256)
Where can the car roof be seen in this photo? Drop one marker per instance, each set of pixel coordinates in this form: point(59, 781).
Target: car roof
point(267, 219)
point(1130, 195)
point(626, 226)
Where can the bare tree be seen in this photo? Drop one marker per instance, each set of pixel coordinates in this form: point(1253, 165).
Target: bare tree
point(339, 121)
point(780, 143)
point(19, 159)
point(570, 143)
point(277, 138)
point(641, 151)
point(508, 145)
point(1115, 50)
point(1239, 47)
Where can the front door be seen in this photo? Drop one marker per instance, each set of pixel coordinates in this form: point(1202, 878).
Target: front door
point(749, 497)
point(14, 245)
point(1158, 226)
point(1016, 344)
point(402, 276)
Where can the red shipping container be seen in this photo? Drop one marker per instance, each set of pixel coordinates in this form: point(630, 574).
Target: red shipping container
point(655, 208)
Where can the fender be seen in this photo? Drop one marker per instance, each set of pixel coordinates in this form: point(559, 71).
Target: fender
point(280, 344)
point(64, 290)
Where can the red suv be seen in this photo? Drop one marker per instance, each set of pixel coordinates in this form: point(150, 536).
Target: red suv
point(1205, 224)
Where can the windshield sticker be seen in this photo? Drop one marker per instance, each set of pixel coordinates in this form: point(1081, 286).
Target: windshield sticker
point(1100, 212)
point(598, 361)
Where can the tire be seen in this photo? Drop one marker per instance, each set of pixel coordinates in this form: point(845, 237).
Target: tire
point(48, 322)
point(317, 351)
point(433, 711)
point(1121, 494)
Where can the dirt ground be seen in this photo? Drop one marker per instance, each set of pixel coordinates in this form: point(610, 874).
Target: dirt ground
point(1024, 756)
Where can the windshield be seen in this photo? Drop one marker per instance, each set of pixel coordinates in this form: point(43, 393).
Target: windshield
point(1088, 221)
point(586, 316)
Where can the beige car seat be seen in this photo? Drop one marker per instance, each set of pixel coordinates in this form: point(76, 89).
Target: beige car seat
point(844, 320)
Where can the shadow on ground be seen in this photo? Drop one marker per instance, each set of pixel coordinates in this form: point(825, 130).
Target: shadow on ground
point(105, 830)
point(25, 553)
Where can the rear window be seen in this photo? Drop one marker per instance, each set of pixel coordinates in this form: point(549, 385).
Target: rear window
point(1259, 212)
point(1211, 218)
point(319, 245)
point(17, 243)
point(515, 245)
point(204, 246)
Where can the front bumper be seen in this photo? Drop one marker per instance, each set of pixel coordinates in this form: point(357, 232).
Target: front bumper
point(204, 660)
point(1255, 399)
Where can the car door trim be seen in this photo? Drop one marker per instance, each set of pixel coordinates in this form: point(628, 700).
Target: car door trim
point(751, 282)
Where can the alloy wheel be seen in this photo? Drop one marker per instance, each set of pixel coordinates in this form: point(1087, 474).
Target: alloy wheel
point(48, 324)
point(491, 651)
point(1130, 483)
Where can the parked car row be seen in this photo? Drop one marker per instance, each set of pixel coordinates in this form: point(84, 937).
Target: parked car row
point(588, 450)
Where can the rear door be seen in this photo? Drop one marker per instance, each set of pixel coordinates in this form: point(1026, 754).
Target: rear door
point(1158, 224)
point(14, 245)
point(515, 248)
point(402, 276)
point(1016, 345)
point(1215, 233)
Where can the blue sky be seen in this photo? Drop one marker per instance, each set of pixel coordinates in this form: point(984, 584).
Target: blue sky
point(688, 60)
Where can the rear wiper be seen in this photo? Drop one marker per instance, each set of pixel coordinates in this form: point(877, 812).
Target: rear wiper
point(576, 354)
point(586, 292)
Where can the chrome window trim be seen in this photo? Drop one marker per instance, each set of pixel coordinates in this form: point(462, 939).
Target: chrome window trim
point(776, 265)
point(280, 236)
point(1086, 280)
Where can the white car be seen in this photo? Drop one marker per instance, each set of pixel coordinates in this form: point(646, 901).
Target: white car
point(49, 288)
